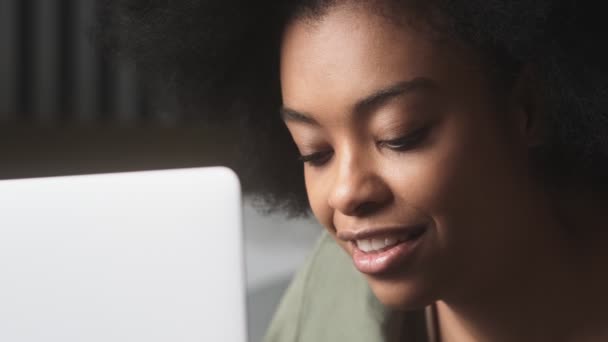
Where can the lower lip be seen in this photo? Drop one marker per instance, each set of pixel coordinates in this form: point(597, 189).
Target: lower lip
point(386, 260)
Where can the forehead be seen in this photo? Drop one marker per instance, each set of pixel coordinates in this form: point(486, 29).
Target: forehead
point(350, 52)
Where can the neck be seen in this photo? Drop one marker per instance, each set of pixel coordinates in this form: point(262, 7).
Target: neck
point(559, 295)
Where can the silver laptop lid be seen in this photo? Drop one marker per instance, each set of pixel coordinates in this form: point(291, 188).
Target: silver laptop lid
point(139, 256)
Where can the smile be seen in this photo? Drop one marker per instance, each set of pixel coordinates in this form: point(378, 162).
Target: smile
point(376, 252)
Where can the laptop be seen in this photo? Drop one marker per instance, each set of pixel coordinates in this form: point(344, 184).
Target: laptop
point(125, 257)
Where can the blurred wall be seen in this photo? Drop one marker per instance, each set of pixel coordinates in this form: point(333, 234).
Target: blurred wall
point(31, 151)
point(66, 109)
point(51, 73)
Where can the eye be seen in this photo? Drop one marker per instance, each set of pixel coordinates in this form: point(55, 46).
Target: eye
point(316, 159)
point(406, 142)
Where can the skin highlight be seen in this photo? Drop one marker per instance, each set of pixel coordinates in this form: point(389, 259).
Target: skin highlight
point(496, 258)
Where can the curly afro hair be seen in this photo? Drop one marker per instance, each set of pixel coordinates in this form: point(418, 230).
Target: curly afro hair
point(221, 59)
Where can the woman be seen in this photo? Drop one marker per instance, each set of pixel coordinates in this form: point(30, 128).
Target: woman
point(454, 150)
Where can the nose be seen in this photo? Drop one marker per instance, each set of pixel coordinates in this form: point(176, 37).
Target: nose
point(358, 189)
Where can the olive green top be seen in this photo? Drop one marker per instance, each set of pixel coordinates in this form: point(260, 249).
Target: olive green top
point(329, 300)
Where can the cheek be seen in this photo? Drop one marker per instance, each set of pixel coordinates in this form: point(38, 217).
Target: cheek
point(469, 184)
point(461, 174)
point(428, 179)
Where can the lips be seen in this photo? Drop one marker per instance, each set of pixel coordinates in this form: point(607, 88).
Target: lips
point(376, 251)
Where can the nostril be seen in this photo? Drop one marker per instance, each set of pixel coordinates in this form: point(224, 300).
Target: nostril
point(366, 208)
point(362, 199)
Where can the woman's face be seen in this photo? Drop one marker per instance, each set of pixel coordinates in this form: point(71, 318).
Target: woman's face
point(408, 162)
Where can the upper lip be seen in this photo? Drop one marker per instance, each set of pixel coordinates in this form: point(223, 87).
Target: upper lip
point(370, 233)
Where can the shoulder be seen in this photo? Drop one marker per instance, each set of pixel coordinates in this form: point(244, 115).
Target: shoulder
point(329, 300)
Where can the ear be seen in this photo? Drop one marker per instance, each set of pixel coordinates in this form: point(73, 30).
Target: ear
point(528, 107)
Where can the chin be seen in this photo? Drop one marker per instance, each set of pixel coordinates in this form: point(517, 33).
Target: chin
point(401, 294)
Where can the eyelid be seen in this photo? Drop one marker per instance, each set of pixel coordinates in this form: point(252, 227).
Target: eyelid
point(315, 158)
point(406, 141)
point(402, 143)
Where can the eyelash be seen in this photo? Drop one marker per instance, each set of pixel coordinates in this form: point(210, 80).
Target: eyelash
point(316, 159)
point(406, 142)
point(400, 144)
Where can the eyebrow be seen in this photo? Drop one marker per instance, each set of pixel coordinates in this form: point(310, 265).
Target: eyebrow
point(375, 99)
point(288, 114)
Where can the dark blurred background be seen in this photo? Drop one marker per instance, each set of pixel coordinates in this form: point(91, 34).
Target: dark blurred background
point(66, 108)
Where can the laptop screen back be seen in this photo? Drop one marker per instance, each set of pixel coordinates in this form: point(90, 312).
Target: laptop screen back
point(139, 256)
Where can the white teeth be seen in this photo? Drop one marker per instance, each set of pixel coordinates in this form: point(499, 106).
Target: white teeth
point(364, 245)
point(378, 244)
point(390, 241)
point(369, 245)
